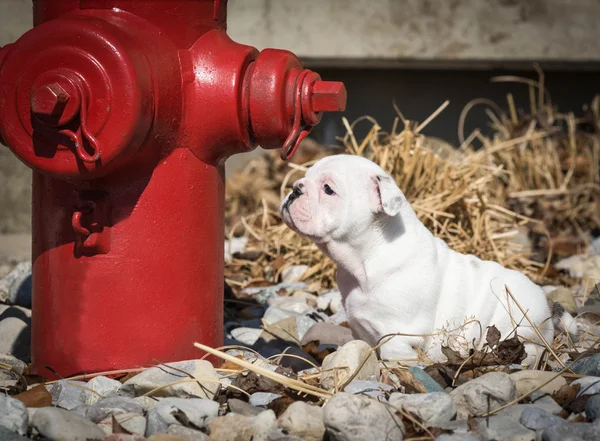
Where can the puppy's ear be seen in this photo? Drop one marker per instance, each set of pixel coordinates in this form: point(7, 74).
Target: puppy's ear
point(388, 197)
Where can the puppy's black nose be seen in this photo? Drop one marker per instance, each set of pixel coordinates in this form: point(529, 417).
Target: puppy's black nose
point(297, 191)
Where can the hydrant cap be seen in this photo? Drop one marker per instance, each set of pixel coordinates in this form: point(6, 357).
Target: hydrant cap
point(82, 99)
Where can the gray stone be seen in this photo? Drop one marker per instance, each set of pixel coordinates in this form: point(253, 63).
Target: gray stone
point(15, 337)
point(259, 399)
point(101, 387)
point(420, 375)
point(147, 402)
point(132, 422)
point(589, 366)
point(15, 287)
point(9, 435)
point(338, 318)
point(457, 437)
point(483, 394)
point(527, 380)
point(372, 388)
point(10, 377)
point(350, 417)
point(432, 408)
point(82, 410)
point(303, 420)
point(186, 432)
point(113, 406)
point(61, 425)
point(231, 427)
point(278, 435)
point(455, 426)
point(158, 376)
point(247, 336)
point(346, 361)
point(588, 385)
point(503, 428)
point(242, 408)
point(264, 425)
point(68, 394)
point(275, 314)
point(538, 419)
point(13, 415)
point(303, 325)
point(197, 410)
point(572, 432)
point(592, 408)
point(546, 403)
point(327, 333)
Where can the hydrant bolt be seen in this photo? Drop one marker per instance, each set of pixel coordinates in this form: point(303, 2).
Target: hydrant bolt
point(49, 99)
point(328, 96)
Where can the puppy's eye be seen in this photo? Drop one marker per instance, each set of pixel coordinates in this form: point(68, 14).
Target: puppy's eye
point(328, 190)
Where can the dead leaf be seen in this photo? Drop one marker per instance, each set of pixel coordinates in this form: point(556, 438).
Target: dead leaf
point(510, 351)
point(493, 336)
point(232, 365)
point(37, 396)
point(566, 393)
point(312, 349)
point(412, 385)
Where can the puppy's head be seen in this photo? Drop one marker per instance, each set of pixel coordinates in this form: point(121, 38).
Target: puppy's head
point(340, 198)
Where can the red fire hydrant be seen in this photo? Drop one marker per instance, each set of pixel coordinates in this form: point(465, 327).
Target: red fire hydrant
point(126, 111)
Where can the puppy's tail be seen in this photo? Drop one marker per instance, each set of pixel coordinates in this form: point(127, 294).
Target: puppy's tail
point(563, 321)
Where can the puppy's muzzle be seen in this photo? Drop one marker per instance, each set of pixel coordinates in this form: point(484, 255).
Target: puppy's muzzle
point(295, 194)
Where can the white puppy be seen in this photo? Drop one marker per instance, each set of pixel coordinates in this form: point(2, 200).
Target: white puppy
point(396, 277)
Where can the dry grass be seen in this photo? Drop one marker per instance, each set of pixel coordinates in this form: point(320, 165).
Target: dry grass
point(536, 174)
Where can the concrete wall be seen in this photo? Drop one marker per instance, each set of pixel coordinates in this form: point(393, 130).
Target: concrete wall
point(395, 30)
point(363, 33)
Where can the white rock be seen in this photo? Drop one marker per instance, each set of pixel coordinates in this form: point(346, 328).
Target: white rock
point(303, 420)
point(483, 394)
point(346, 360)
point(274, 314)
point(235, 245)
point(292, 304)
point(103, 387)
point(15, 287)
point(15, 336)
point(248, 336)
point(61, 425)
point(264, 424)
point(527, 380)
point(68, 394)
point(331, 300)
point(186, 433)
point(503, 428)
point(113, 406)
point(260, 399)
point(132, 422)
point(13, 415)
point(162, 375)
point(588, 385)
point(293, 273)
point(198, 411)
point(433, 408)
point(350, 417)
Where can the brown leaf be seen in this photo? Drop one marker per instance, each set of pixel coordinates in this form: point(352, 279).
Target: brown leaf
point(493, 336)
point(510, 351)
point(412, 385)
point(444, 375)
point(37, 396)
point(312, 348)
point(232, 365)
point(452, 356)
point(566, 393)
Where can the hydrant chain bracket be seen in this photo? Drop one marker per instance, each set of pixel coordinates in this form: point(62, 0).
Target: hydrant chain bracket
point(68, 107)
